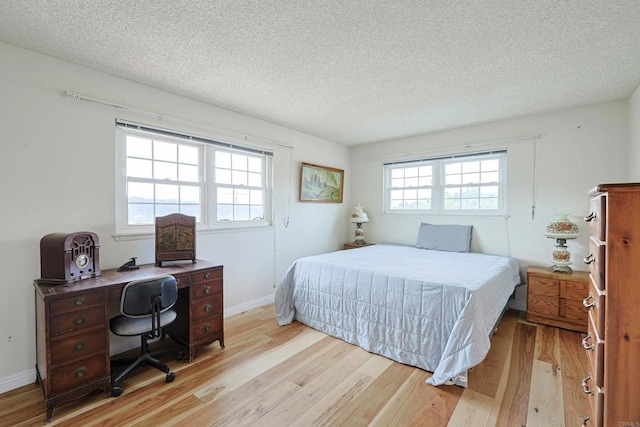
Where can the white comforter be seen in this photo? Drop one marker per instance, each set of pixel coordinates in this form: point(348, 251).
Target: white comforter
point(430, 309)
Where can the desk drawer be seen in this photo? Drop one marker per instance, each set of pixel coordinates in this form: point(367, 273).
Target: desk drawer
point(77, 374)
point(78, 346)
point(206, 275)
point(203, 289)
point(77, 320)
point(207, 307)
point(207, 327)
point(74, 303)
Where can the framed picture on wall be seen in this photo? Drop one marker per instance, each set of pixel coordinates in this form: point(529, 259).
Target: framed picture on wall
point(321, 184)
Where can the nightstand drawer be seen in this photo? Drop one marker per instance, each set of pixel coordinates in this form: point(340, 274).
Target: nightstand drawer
point(543, 306)
point(542, 286)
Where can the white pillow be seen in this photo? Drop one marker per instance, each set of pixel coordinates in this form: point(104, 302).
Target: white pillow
point(451, 238)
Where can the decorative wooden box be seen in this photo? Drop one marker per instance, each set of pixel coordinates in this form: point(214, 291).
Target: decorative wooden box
point(175, 238)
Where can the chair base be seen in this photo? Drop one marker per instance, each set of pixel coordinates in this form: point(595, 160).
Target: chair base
point(145, 358)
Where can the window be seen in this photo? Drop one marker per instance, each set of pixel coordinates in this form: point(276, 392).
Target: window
point(163, 172)
point(469, 183)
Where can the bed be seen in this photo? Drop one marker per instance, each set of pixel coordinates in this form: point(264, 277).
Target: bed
point(431, 309)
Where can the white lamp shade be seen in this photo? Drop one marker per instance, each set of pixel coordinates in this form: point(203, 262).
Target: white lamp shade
point(358, 215)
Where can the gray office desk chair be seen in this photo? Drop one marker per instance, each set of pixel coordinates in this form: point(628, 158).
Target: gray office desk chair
point(146, 308)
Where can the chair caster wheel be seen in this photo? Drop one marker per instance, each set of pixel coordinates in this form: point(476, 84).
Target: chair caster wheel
point(170, 377)
point(116, 391)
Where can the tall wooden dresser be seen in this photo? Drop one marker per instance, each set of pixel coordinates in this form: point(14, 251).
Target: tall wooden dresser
point(612, 384)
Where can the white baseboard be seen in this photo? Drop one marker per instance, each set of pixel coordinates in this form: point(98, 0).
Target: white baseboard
point(15, 381)
point(246, 306)
point(21, 379)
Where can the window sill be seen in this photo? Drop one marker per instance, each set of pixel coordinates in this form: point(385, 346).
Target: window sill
point(150, 233)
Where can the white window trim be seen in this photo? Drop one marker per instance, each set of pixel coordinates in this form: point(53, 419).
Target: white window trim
point(437, 195)
point(124, 231)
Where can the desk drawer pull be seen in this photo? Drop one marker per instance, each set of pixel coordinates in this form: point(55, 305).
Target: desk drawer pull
point(590, 217)
point(80, 320)
point(207, 327)
point(207, 289)
point(585, 385)
point(79, 300)
point(80, 372)
point(207, 308)
point(588, 304)
point(79, 345)
point(585, 420)
point(585, 343)
point(177, 281)
point(207, 275)
point(589, 259)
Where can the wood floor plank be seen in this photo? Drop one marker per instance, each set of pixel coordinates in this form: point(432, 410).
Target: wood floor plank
point(484, 377)
point(545, 409)
point(294, 375)
point(473, 408)
point(574, 369)
point(513, 411)
point(417, 403)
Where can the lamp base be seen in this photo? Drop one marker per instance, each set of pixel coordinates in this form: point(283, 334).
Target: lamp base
point(561, 269)
point(359, 235)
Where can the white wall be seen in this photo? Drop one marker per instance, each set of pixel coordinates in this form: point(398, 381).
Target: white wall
point(57, 175)
point(577, 149)
point(634, 136)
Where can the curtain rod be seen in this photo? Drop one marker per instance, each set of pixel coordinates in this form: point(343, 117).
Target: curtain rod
point(421, 152)
point(159, 116)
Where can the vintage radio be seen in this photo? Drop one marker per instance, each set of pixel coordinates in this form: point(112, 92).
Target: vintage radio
point(68, 257)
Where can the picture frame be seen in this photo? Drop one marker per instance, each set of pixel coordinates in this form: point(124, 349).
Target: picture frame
point(321, 184)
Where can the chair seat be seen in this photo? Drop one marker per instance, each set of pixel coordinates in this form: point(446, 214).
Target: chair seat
point(129, 326)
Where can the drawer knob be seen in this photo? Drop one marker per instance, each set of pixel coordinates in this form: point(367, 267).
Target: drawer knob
point(80, 372)
point(207, 308)
point(585, 343)
point(79, 345)
point(207, 275)
point(79, 300)
point(207, 289)
point(589, 259)
point(585, 385)
point(590, 217)
point(207, 327)
point(585, 420)
point(588, 304)
point(80, 320)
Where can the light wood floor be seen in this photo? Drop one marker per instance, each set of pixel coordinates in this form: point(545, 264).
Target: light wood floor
point(293, 375)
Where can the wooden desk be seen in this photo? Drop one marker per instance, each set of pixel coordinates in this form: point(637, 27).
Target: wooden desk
point(72, 325)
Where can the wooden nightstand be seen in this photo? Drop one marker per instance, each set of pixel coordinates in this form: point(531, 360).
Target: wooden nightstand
point(355, 246)
point(556, 298)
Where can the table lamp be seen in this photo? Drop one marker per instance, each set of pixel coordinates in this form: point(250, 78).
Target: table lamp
point(561, 229)
point(359, 217)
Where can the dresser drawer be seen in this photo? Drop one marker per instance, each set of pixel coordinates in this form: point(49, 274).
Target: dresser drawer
point(207, 307)
point(597, 217)
point(596, 406)
point(79, 373)
point(594, 346)
point(182, 280)
point(74, 303)
point(596, 261)
point(594, 302)
point(77, 320)
point(208, 327)
point(74, 347)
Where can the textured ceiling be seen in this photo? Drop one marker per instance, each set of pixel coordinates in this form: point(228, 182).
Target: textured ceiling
point(351, 71)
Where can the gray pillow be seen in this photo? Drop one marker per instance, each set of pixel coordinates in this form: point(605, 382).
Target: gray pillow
point(452, 238)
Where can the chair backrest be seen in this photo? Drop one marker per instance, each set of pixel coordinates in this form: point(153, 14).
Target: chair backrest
point(140, 296)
